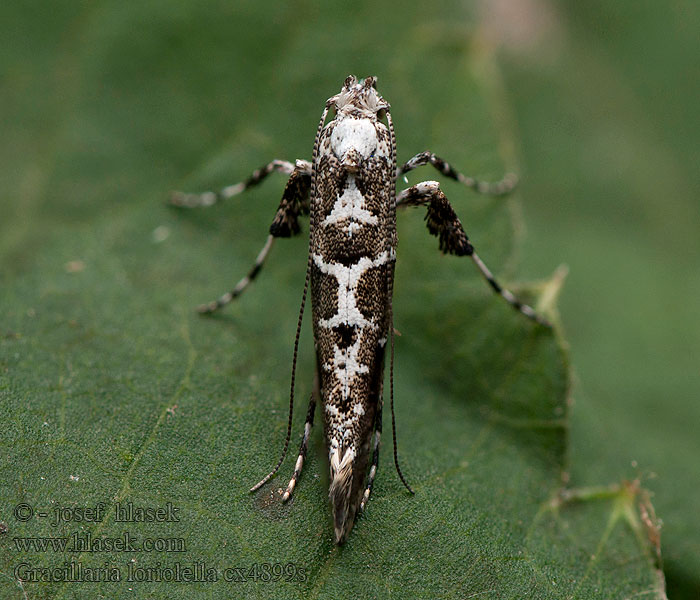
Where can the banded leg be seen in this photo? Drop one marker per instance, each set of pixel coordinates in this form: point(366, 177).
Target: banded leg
point(497, 188)
point(209, 198)
point(442, 221)
point(302, 449)
point(238, 289)
point(295, 201)
point(375, 456)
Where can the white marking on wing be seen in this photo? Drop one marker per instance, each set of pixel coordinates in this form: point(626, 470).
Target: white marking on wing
point(348, 277)
point(346, 366)
point(350, 206)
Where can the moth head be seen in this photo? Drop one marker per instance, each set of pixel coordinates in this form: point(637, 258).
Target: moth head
point(359, 96)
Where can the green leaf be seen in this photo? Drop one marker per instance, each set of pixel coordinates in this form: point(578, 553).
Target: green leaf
point(114, 393)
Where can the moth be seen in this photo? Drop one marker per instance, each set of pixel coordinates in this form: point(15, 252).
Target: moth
point(349, 192)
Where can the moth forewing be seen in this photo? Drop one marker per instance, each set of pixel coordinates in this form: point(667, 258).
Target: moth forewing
point(352, 252)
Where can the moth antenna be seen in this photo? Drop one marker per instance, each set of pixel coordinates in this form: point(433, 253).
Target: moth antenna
point(267, 478)
point(390, 291)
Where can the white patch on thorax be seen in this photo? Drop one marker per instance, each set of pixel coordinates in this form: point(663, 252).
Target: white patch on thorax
point(357, 134)
point(350, 207)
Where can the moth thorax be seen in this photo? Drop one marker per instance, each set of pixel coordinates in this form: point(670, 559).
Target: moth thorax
point(353, 139)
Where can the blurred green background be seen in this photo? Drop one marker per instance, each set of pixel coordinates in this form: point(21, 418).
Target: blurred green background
point(606, 97)
point(601, 99)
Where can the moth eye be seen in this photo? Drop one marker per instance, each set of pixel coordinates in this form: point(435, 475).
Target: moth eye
point(381, 114)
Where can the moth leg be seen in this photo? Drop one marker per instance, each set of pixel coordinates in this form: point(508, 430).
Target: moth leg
point(302, 448)
point(188, 200)
point(315, 394)
point(497, 188)
point(375, 456)
point(224, 299)
point(295, 201)
point(442, 221)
